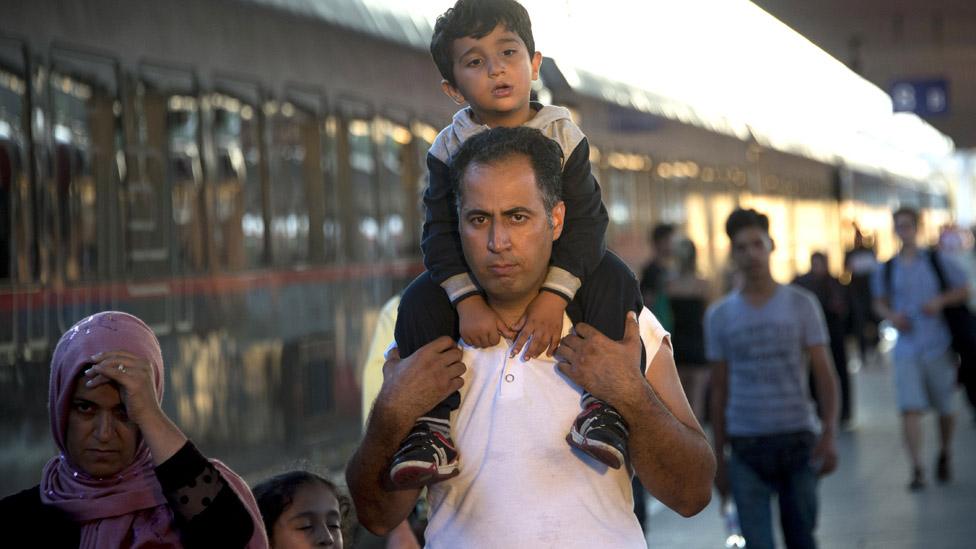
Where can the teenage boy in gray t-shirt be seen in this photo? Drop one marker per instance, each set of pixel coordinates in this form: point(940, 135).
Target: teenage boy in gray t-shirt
point(760, 339)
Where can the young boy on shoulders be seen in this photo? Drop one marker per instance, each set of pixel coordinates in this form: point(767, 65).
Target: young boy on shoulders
point(486, 54)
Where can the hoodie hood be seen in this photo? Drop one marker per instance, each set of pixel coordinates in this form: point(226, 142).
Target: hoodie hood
point(555, 122)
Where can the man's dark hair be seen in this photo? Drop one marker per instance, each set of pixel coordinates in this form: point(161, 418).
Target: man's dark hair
point(496, 144)
point(661, 232)
point(743, 219)
point(909, 211)
point(476, 18)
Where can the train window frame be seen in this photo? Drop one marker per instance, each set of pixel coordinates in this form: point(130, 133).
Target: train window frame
point(251, 251)
point(284, 118)
point(72, 60)
point(394, 219)
point(357, 247)
point(320, 190)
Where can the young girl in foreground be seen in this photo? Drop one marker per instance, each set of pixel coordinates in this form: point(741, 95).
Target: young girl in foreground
point(301, 509)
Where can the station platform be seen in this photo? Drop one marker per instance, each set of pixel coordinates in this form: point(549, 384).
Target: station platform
point(865, 503)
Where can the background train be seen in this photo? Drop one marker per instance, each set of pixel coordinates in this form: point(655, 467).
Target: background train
point(245, 176)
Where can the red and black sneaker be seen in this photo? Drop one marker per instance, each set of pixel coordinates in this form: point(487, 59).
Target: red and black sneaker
point(601, 432)
point(425, 457)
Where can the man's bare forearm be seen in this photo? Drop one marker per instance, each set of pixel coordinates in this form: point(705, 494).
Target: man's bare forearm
point(825, 381)
point(955, 296)
point(673, 460)
point(379, 508)
point(717, 401)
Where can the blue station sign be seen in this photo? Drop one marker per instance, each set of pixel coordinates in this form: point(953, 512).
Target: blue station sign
point(924, 97)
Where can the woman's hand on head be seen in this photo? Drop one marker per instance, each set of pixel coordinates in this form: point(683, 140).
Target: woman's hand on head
point(134, 377)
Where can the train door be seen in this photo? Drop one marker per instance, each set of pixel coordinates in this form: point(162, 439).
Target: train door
point(166, 202)
point(85, 137)
point(358, 194)
point(17, 272)
point(24, 345)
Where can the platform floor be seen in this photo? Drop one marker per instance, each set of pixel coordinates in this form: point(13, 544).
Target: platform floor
point(865, 503)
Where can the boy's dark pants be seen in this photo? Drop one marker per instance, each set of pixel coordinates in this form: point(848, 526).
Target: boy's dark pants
point(425, 313)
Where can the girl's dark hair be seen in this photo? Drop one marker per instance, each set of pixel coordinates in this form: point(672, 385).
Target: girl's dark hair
point(476, 18)
point(275, 494)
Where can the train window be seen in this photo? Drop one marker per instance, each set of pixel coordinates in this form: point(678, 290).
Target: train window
point(85, 136)
point(237, 200)
point(395, 184)
point(362, 188)
point(331, 224)
point(295, 168)
point(622, 198)
point(424, 136)
point(168, 191)
point(319, 168)
point(15, 188)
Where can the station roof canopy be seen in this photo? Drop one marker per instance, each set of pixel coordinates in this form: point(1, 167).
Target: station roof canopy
point(723, 65)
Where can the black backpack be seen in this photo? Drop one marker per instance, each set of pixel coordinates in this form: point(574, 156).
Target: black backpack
point(962, 323)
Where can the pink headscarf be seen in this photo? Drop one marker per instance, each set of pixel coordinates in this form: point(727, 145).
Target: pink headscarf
point(130, 508)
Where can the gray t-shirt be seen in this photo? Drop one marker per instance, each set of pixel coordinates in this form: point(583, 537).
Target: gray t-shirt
point(912, 284)
point(765, 349)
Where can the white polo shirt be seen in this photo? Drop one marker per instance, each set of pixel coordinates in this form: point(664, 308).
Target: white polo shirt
point(521, 484)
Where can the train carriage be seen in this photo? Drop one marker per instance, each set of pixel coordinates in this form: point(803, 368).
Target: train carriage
point(246, 179)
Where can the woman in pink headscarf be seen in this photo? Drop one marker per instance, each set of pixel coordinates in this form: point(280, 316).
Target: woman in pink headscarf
point(126, 476)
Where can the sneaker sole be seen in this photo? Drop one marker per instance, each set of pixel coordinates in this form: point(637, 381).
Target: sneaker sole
point(417, 474)
point(602, 452)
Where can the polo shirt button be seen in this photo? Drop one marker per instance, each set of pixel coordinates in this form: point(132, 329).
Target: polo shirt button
point(509, 378)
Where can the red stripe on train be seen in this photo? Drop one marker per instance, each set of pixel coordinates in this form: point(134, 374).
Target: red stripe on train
point(211, 284)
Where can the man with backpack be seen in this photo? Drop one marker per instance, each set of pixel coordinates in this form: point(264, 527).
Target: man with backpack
point(912, 292)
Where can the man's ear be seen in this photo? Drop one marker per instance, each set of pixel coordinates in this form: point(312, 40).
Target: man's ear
point(536, 63)
point(772, 244)
point(558, 215)
point(451, 91)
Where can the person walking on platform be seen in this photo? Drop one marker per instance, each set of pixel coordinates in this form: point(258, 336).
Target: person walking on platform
point(657, 273)
point(759, 339)
point(834, 300)
point(910, 292)
point(689, 295)
point(861, 263)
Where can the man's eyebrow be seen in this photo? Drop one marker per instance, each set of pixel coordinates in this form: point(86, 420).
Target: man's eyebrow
point(517, 210)
point(474, 211)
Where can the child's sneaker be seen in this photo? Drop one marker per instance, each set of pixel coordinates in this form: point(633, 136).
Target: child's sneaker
point(600, 432)
point(425, 457)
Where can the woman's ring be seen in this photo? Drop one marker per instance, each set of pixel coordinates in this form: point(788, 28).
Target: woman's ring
point(121, 367)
